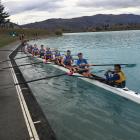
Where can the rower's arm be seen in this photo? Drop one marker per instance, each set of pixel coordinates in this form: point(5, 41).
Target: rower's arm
point(62, 61)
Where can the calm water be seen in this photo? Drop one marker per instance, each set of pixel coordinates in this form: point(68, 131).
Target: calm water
point(77, 110)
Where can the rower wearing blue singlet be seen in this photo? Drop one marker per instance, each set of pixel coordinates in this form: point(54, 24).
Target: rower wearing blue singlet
point(42, 51)
point(48, 54)
point(83, 66)
point(67, 60)
point(35, 50)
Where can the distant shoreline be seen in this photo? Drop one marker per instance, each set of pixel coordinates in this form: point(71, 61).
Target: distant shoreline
point(100, 31)
point(133, 29)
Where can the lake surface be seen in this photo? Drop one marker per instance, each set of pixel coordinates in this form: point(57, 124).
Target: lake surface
point(78, 110)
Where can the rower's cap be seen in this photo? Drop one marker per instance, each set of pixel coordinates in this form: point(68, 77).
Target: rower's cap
point(68, 51)
point(80, 54)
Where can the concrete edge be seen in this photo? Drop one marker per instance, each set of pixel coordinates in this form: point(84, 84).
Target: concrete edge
point(36, 122)
point(28, 120)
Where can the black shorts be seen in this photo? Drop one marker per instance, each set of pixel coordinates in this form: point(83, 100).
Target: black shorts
point(41, 55)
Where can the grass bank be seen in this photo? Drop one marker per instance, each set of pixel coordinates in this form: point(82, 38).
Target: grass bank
point(7, 38)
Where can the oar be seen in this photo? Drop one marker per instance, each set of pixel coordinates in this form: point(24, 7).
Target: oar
point(127, 65)
point(99, 71)
point(21, 65)
point(31, 81)
point(8, 51)
point(14, 59)
point(47, 77)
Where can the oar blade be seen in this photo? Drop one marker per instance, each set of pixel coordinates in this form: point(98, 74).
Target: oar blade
point(130, 65)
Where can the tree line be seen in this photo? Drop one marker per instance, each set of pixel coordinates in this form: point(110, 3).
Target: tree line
point(3, 16)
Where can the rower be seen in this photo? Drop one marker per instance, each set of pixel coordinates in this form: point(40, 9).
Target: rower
point(48, 54)
point(57, 57)
point(83, 66)
point(57, 53)
point(29, 48)
point(35, 50)
point(42, 52)
point(117, 77)
point(67, 60)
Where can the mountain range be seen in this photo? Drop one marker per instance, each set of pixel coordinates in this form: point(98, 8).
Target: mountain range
point(88, 23)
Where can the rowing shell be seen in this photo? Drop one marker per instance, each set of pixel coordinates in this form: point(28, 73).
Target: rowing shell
point(124, 92)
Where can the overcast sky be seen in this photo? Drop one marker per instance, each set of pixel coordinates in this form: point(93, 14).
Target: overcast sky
point(27, 11)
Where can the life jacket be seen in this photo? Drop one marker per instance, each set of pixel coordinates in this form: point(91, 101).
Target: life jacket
point(122, 77)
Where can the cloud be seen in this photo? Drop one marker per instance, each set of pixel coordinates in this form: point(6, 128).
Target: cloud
point(19, 6)
point(108, 3)
point(26, 11)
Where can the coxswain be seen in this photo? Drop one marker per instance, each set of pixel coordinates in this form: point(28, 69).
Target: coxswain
point(117, 77)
